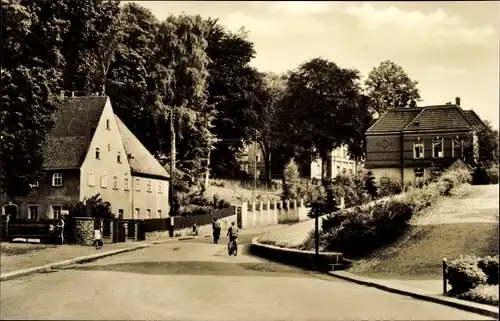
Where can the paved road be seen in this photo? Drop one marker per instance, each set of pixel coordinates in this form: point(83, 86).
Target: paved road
point(196, 280)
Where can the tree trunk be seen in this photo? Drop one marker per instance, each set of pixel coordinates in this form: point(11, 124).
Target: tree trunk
point(172, 164)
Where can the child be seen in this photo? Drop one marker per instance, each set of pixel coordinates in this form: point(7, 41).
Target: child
point(98, 238)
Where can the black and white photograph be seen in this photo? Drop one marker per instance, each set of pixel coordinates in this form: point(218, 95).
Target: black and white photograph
point(249, 160)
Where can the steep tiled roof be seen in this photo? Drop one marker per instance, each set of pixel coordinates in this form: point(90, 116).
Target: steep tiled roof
point(474, 118)
point(439, 117)
point(394, 120)
point(141, 161)
point(75, 122)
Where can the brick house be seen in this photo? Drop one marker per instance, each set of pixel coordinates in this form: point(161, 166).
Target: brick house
point(409, 143)
point(91, 151)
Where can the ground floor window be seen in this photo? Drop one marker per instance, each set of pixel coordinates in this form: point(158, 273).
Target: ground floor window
point(56, 211)
point(33, 212)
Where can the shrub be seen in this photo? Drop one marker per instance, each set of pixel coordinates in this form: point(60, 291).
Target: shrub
point(421, 198)
point(311, 192)
point(483, 293)
point(389, 186)
point(493, 175)
point(464, 274)
point(463, 176)
point(351, 188)
point(480, 176)
point(291, 177)
point(370, 185)
point(196, 210)
point(391, 220)
point(489, 265)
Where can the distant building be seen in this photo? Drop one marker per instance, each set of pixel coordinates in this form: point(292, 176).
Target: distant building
point(340, 164)
point(91, 151)
point(410, 143)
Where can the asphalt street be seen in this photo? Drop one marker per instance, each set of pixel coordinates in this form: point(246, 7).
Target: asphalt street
point(197, 280)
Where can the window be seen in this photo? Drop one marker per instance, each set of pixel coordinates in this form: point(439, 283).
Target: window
point(257, 158)
point(109, 147)
point(108, 124)
point(115, 182)
point(160, 188)
point(125, 184)
point(350, 170)
point(104, 181)
point(137, 184)
point(33, 212)
point(90, 179)
point(56, 211)
point(119, 157)
point(148, 213)
point(437, 149)
point(148, 186)
point(344, 170)
point(57, 179)
point(35, 184)
point(338, 169)
point(159, 213)
point(97, 153)
point(418, 150)
point(137, 213)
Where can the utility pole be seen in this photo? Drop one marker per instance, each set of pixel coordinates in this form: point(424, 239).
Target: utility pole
point(172, 162)
point(254, 166)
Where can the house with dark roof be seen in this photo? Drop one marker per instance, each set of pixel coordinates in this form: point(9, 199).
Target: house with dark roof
point(90, 151)
point(409, 143)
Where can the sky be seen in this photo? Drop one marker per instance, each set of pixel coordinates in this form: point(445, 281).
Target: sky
point(450, 48)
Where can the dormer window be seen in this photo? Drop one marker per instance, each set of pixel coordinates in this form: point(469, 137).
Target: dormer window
point(108, 124)
point(97, 154)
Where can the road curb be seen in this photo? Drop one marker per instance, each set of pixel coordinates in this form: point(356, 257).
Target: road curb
point(482, 309)
point(24, 272)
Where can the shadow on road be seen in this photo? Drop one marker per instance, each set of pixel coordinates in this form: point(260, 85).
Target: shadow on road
point(200, 268)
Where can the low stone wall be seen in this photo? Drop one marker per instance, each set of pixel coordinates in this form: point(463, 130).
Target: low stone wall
point(326, 261)
point(84, 230)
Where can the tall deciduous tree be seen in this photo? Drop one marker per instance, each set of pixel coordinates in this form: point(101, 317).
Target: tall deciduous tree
point(389, 86)
point(31, 79)
point(181, 73)
point(323, 107)
point(232, 89)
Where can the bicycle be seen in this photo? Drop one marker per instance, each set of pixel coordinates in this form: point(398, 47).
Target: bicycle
point(232, 247)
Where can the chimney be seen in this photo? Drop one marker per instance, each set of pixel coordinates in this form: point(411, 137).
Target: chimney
point(457, 101)
point(62, 94)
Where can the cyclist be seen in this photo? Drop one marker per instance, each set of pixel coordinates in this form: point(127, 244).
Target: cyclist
point(232, 232)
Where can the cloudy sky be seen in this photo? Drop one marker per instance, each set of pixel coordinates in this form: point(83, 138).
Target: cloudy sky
point(451, 48)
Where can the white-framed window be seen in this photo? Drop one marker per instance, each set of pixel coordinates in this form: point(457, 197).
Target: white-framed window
point(125, 184)
point(104, 181)
point(115, 182)
point(160, 187)
point(137, 185)
point(137, 213)
point(118, 157)
point(35, 184)
point(56, 211)
point(33, 212)
point(108, 124)
point(437, 148)
point(97, 153)
point(148, 186)
point(90, 179)
point(159, 213)
point(57, 179)
point(148, 213)
point(418, 150)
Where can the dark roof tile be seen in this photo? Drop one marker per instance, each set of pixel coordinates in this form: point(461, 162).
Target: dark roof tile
point(439, 118)
point(75, 122)
point(474, 119)
point(394, 120)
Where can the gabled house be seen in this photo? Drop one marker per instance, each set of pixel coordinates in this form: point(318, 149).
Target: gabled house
point(340, 161)
point(90, 151)
point(410, 143)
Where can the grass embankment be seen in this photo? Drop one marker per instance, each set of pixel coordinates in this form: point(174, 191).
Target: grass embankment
point(234, 192)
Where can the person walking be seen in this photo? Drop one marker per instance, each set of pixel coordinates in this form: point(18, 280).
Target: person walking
point(60, 229)
point(98, 238)
point(216, 230)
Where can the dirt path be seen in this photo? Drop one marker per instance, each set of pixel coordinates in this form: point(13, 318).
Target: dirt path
point(465, 223)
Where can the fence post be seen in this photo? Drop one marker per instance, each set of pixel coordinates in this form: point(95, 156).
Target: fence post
point(244, 215)
point(111, 231)
point(136, 231)
point(125, 231)
point(254, 215)
point(261, 213)
point(268, 216)
point(444, 277)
